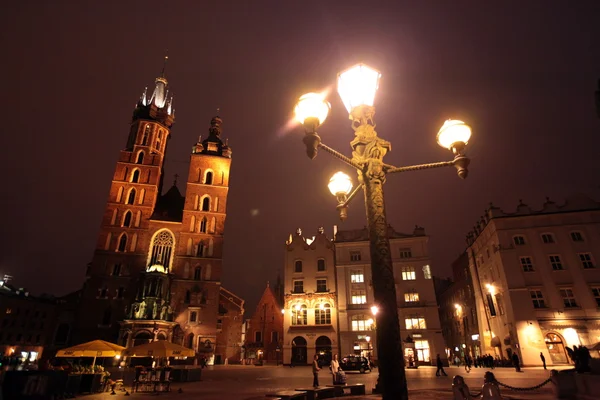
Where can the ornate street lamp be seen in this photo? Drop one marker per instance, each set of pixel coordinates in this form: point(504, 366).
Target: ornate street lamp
point(357, 87)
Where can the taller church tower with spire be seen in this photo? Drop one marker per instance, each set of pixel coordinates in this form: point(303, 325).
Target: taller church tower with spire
point(156, 270)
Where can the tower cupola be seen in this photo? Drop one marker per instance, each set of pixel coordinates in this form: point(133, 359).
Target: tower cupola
point(159, 107)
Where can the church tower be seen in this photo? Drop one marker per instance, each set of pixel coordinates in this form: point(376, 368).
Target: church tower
point(134, 193)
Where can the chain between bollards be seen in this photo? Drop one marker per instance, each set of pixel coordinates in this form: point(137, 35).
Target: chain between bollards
point(525, 389)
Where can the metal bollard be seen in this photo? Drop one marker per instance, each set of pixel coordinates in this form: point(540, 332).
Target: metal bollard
point(460, 390)
point(490, 389)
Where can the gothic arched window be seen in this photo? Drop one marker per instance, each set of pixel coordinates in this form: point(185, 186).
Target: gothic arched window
point(161, 249)
point(122, 243)
point(146, 134)
point(203, 225)
point(197, 273)
point(206, 204)
point(131, 197)
point(201, 248)
point(127, 219)
point(209, 178)
point(140, 158)
point(135, 177)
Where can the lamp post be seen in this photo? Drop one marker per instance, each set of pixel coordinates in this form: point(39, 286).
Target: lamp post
point(357, 87)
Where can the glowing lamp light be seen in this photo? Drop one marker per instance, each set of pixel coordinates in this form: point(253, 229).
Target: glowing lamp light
point(457, 306)
point(368, 338)
point(370, 322)
point(374, 310)
point(340, 184)
point(312, 105)
point(283, 311)
point(452, 133)
point(117, 356)
point(322, 306)
point(490, 288)
point(298, 307)
point(357, 86)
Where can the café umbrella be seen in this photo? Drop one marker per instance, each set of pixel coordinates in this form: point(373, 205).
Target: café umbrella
point(95, 348)
point(160, 348)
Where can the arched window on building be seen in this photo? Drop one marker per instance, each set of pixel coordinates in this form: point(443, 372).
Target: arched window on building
point(208, 179)
point(323, 314)
point(299, 315)
point(213, 225)
point(161, 249)
point(203, 225)
point(113, 219)
point(190, 245)
point(216, 204)
point(120, 194)
point(135, 176)
point(206, 204)
point(131, 196)
point(197, 273)
point(127, 219)
point(196, 202)
point(201, 249)
point(122, 243)
point(147, 130)
point(192, 223)
point(140, 158)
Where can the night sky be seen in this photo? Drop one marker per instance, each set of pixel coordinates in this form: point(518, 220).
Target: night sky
point(521, 73)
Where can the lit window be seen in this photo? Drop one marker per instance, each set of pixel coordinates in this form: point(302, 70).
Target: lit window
point(555, 262)
point(596, 293)
point(408, 274)
point(298, 286)
point(298, 266)
point(568, 298)
point(422, 348)
point(320, 265)
point(405, 253)
point(360, 323)
point(299, 315)
point(527, 264)
point(547, 238)
point(537, 298)
point(576, 236)
point(357, 277)
point(161, 251)
point(359, 297)
point(355, 256)
point(519, 240)
point(411, 297)
point(586, 260)
point(415, 323)
point(426, 272)
point(321, 285)
point(323, 315)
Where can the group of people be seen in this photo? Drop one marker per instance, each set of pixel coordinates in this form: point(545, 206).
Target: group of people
point(483, 361)
point(334, 367)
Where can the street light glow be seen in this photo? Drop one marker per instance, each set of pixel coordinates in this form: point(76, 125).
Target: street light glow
point(374, 310)
point(312, 105)
point(490, 288)
point(357, 86)
point(340, 184)
point(453, 132)
point(283, 310)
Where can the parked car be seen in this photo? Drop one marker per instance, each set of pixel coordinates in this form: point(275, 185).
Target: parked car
point(355, 363)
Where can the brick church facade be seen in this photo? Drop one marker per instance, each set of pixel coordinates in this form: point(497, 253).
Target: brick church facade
point(156, 270)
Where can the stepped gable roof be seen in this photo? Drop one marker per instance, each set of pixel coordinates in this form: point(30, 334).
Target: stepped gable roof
point(169, 206)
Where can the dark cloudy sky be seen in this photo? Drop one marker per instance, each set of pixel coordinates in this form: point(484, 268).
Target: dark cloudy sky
point(522, 73)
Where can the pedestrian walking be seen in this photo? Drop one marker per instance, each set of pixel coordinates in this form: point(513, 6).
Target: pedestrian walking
point(335, 367)
point(315, 369)
point(516, 362)
point(543, 359)
point(440, 367)
point(467, 363)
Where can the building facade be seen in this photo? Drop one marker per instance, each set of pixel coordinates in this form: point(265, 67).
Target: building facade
point(310, 305)
point(535, 279)
point(229, 328)
point(156, 270)
point(417, 305)
point(264, 332)
point(458, 312)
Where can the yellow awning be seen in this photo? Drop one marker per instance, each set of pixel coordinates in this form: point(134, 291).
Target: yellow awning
point(160, 348)
point(95, 348)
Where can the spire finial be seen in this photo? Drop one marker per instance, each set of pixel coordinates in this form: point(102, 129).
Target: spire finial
point(162, 73)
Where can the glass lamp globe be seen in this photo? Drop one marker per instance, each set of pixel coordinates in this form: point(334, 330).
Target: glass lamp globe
point(357, 86)
point(312, 105)
point(374, 310)
point(339, 184)
point(452, 133)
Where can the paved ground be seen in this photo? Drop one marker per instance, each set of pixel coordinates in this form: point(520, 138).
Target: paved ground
point(252, 383)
